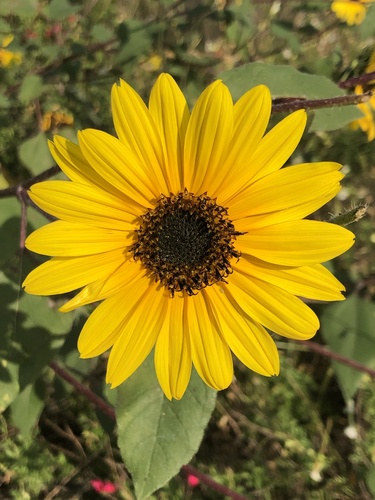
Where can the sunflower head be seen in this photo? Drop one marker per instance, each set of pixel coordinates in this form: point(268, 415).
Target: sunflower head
point(191, 234)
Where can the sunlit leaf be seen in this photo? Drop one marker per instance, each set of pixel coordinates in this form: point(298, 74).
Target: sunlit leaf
point(157, 436)
point(59, 9)
point(31, 88)
point(19, 7)
point(34, 153)
point(285, 81)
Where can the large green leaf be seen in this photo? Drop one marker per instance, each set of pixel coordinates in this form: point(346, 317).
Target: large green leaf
point(32, 330)
point(157, 436)
point(348, 328)
point(285, 81)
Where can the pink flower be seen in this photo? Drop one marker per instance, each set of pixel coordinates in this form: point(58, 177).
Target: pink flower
point(192, 480)
point(103, 486)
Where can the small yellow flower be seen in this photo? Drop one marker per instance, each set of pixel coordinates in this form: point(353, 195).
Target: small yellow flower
point(192, 234)
point(371, 66)
point(350, 11)
point(53, 119)
point(153, 63)
point(366, 123)
point(8, 57)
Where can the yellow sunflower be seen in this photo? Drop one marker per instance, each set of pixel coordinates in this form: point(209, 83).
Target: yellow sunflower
point(366, 123)
point(7, 57)
point(350, 11)
point(191, 234)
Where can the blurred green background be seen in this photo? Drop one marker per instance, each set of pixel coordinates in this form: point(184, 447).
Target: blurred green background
point(309, 433)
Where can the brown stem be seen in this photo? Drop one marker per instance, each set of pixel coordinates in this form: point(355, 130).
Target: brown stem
point(324, 351)
point(294, 103)
point(85, 391)
point(14, 190)
point(357, 80)
point(23, 224)
point(213, 484)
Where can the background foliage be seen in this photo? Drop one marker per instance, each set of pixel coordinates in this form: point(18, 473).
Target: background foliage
point(308, 433)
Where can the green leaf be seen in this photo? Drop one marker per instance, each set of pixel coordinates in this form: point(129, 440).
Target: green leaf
point(4, 101)
point(34, 153)
point(31, 88)
point(60, 9)
point(348, 328)
point(22, 8)
point(100, 33)
point(157, 436)
point(9, 386)
point(370, 480)
point(284, 81)
point(285, 31)
point(367, 28)
point(26, 410)
point(40, 333)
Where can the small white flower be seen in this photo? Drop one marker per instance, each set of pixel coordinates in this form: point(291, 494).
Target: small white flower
point(351, 432)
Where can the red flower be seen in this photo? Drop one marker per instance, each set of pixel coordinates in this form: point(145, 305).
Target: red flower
point(103, 486)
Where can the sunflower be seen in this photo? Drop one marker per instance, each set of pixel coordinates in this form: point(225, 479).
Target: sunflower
point(191, 234)
point(366, 123)
point(350, 11)
point(7, 57)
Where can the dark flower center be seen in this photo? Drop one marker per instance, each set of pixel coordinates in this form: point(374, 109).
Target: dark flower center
point(186, 242)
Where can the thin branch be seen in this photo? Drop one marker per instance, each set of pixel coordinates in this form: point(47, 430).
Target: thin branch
point(294, 103)
point(85, 391)
point(213, 484)
point(15, 190)
point(324, 351)
point(23, 224)
point(357, 80)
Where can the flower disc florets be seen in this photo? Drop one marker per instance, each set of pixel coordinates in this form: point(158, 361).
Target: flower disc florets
point(186, 242)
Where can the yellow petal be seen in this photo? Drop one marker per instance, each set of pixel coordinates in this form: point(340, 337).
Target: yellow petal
point(210, 353)
point(137, 131)
point(208, 137)
point(296, 243)
point(118, 165)
point(277, 146)
point(109, 319)
point(64, 274)
point(84, 204)
point(171, 115)
point(120, 278)
point(248, 340)
point(139, 333)
point(172, 352)
point(272, 307)
point(351, 12)
point(313, 282)
point(67, 239)
point(70, 159)
point(287, 194)
point(251, 116)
